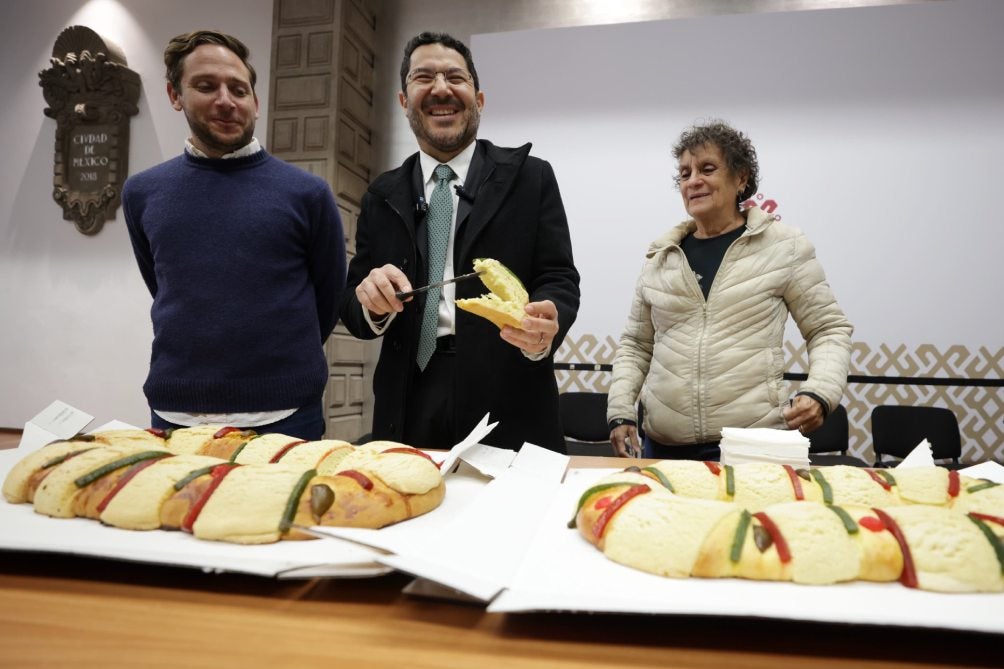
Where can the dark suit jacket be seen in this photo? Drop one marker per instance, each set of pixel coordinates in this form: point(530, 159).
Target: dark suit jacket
point(514, 215)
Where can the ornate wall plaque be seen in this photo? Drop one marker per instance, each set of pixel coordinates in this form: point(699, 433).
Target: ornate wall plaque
point(91, 94)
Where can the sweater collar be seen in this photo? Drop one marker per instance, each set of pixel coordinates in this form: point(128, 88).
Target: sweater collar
point(248, 149)
point(226, 164)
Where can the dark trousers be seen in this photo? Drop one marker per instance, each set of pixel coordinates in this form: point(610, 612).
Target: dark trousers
point(706, 451)
point(430, 417)
point(306, 423)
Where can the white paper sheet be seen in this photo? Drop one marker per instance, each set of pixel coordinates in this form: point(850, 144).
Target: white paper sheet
point(23, 529)
point(991, 471)
point(563, 572)
point(476, 551)
point(470, 442)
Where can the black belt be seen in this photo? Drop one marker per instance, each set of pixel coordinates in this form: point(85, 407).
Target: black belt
point(446, 344)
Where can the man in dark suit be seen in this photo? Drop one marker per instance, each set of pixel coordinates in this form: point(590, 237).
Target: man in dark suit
point(503, 204)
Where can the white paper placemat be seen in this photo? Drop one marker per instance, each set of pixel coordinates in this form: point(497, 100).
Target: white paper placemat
point(23, 529)
point(563, 572)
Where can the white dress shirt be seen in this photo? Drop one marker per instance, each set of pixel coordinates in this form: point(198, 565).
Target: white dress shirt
point(460, 164)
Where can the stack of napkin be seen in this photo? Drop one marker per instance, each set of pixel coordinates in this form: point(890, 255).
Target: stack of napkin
point(761, 444)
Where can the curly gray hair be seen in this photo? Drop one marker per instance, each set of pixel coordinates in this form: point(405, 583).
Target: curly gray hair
point(736, 148)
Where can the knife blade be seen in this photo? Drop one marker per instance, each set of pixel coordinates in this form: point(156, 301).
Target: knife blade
point(439, 284)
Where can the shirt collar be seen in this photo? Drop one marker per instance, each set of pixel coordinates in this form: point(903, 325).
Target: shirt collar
point(248, 149)
point(460, 164)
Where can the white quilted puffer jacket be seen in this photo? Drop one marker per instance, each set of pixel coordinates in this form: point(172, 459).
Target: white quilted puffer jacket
point(700, 365)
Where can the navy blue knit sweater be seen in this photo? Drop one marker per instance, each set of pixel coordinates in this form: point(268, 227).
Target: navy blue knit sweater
point(245, 260)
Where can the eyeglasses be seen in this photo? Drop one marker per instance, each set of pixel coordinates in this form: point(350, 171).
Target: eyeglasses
point(452, 77)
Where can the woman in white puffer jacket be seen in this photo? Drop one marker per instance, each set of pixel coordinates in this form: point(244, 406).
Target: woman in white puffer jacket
point(703, 346)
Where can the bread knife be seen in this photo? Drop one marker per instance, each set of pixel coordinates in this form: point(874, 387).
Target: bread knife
point(439, 284)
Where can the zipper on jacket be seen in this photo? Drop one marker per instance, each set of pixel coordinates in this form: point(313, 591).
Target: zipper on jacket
point(702, 426)
point(701, 339)
point(697, 424)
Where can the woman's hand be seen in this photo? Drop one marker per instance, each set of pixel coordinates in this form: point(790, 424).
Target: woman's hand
point(624, 439)
point(805, 414)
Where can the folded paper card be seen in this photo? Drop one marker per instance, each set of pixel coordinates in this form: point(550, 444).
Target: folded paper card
point(920, 456)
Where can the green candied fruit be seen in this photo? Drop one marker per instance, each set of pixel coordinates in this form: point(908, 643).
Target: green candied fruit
point(194, 474)
point(845, 518)
point(745, 518)
point(588, 493)
point(824, 484)
point(887, 476)
point(660, 477)
point(983, 485)
point(63, 458)
point(289, 514)
point(106, 469)
point(730, 480)
point(992, 538)
point(322, 498)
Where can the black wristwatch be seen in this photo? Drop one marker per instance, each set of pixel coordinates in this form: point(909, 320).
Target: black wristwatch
point(617, 422)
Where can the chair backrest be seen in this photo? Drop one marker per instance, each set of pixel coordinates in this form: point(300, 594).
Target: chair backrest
point(584, 416)
point(896, 430)
point(833, 435)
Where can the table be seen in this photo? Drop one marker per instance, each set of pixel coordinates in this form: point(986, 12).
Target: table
point(58, 610)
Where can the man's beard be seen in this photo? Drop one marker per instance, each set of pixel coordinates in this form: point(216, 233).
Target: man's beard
point(446, 143)
point(210, 140)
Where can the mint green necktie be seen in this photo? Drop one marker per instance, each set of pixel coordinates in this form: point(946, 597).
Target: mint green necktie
point(438, 221)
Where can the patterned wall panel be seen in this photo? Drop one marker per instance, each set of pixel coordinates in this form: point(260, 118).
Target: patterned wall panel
point(315, 133)
point(322, 118)
point(319, 48)
point(306, 91)
point(292, 13)
point(969, 382)
point(284, 134)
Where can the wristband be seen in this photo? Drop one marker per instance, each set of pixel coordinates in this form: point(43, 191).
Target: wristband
point(822, 402)
point(617, 422)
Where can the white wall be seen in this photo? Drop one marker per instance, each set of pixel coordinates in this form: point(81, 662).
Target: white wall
point(879, 132)
point(400, 20)
point(74, 313)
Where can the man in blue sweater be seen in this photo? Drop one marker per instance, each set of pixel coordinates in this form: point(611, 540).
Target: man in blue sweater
point(243, 254)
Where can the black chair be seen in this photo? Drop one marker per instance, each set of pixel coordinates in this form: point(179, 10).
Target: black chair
point(896, 430)
point(584, 421)
point(833, 438)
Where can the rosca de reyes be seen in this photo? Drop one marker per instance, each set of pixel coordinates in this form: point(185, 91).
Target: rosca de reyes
point(226, 484)
point(928, 527)
point(505, 304)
